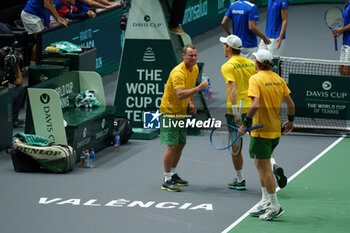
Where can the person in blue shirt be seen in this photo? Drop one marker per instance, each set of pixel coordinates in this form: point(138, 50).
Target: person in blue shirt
point(34, 14)
point(345, 49)
point(82, 6)
point(244, 16)
point(276, 25)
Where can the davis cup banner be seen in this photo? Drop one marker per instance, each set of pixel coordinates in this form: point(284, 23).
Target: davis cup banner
point(147, 59)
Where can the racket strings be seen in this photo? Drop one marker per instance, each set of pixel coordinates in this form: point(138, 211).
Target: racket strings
point(334, 18)
point(221, 138)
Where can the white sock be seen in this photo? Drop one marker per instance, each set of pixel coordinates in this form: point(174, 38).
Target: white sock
point(272, 162)
point(167, 176)
point(274, 201)
point(173, 170)
point(239, 175)
point(264, 196)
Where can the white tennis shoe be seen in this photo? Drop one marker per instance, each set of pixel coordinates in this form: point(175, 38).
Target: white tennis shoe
point(271, 214)
point(259, 208)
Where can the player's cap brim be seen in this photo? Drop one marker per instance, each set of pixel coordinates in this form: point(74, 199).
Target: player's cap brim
point(223, 40)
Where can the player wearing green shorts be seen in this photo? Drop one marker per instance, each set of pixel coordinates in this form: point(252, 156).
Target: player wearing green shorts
point(267, 90)
point(178, 93)
point(236, 72)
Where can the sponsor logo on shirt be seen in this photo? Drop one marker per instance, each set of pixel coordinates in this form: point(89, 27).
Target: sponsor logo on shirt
point(239, 12)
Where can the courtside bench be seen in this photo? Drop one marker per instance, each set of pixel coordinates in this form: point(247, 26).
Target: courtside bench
point(49, 105)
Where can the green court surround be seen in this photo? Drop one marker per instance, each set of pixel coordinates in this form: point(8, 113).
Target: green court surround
point(317, 200)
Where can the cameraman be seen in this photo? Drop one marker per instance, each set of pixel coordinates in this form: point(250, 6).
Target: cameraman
point(15, 82)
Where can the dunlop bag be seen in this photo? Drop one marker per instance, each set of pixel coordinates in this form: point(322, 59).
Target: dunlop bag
point(33, 158)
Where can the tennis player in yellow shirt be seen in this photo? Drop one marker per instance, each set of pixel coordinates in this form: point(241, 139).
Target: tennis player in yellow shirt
point(236, 72)
point(267, 90)
point(177, 96)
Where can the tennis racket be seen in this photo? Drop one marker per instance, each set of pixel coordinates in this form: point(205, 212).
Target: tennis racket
point(334, 19)
point(225, 137)
point(236, 148)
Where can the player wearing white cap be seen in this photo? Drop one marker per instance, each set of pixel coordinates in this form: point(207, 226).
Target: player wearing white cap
point(267, 90)
point(236, 71)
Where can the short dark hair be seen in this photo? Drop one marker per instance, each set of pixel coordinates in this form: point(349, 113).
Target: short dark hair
point(236, 51)
point(265, 65)
point(184, 50)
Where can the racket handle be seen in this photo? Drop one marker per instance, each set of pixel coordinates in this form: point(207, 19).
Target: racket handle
point(335, 44)
point(255, 127)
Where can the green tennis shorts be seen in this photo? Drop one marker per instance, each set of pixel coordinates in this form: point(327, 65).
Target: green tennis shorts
point(172, 135)
point(262, 148)
point(230, 119)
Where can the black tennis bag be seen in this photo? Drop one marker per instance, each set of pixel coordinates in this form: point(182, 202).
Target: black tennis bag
point(122, 125)
point(50, 158)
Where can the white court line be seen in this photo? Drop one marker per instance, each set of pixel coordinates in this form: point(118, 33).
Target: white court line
point(289, 180)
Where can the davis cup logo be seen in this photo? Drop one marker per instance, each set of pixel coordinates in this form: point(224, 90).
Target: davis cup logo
point(147, 18)
point(45, 98)
point(151, 120)
point(326, 85)
point(148, 55)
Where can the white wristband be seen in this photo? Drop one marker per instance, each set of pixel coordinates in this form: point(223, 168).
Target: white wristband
point(234, 109)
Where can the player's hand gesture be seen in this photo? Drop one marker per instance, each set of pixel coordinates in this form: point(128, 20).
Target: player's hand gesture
point(266, 40)
point(288, 127)
point(203, 85)
point(238, 119)
point(91, 14)
point(242, 130)
point(193, 109)
point(61, 20)
point(279, 41)
point(336, 32)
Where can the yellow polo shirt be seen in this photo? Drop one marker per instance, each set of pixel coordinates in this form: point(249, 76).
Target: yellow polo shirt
point(238, 69)
point(180, 77)
point(270, 88)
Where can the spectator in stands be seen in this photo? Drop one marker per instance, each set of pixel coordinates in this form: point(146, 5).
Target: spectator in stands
point(34, 13)
point(83, 6)
point(244, 16)
point(345, 49)
point(69, 11)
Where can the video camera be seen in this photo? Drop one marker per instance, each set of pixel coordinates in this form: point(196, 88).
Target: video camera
point(9, 58)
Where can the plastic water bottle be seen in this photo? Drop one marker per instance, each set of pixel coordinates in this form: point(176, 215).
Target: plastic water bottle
point(82, 158)
point(92, 157)
point(87, 159)
point(205, 93)
point(209, 90)
point(116, 142)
